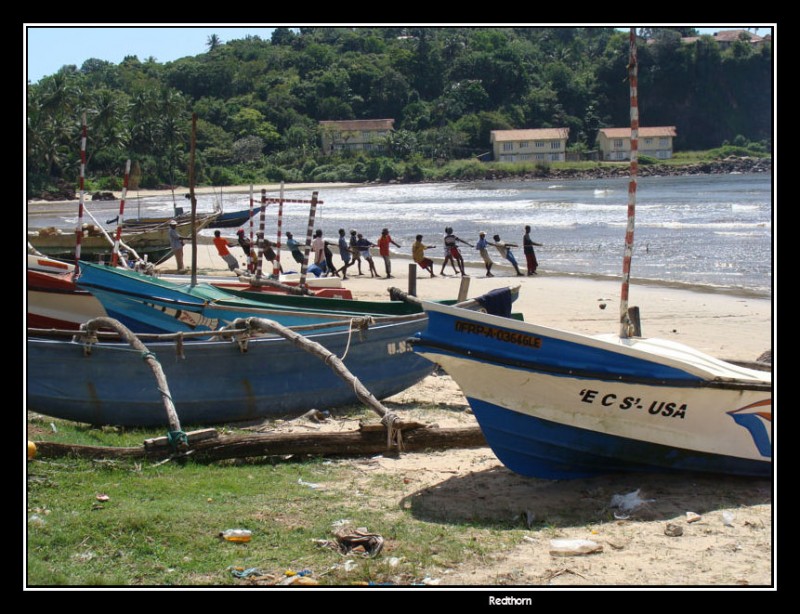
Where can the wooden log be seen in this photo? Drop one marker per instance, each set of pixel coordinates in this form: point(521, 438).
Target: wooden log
point(340, 444)
point(192, 437)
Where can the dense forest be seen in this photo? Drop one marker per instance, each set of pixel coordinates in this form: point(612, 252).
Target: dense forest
point(258, 102)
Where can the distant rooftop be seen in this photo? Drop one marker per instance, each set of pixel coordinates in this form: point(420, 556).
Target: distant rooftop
point(621, 133)
point(532, 134)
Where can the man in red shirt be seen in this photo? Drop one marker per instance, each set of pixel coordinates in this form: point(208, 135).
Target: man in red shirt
point(383, 249)
point(222, 246)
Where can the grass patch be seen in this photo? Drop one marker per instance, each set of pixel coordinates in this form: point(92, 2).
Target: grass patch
point(160, 524)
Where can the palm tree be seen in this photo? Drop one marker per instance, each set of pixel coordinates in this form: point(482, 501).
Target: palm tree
point(213, 42)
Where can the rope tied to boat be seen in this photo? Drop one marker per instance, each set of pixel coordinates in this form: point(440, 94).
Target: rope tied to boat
point(394, 435)
point(177, 439)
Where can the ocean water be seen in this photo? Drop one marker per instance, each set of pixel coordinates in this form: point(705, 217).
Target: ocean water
point(713, 231)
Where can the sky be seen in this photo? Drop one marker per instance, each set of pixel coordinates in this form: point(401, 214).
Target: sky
point(48, 47)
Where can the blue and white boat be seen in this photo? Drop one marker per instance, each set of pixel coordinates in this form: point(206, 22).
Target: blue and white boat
point(555, 404)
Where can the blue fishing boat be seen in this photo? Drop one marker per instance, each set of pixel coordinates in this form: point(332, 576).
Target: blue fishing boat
point(220, 381)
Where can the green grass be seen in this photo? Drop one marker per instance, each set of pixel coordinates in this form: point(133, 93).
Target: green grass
point(161, 523)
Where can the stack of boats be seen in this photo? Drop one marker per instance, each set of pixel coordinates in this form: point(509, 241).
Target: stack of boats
point(214, 377)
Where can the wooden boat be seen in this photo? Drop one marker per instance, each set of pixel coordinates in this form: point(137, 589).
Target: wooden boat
point(215, 382)
point(554, 404)
point(148, 304)
point(222, 219)
point(54, 301)
point(151, 241)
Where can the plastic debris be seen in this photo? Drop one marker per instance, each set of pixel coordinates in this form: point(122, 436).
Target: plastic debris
point(246, 573)
point(103, 498)
point(727, 518)
point(673, 530)
point(236, 535)
point(354, 541)
point(309, 484)
point(574, 547)
point(31, 449)
point(628, 503)
point(36, 521)
point(692, 517)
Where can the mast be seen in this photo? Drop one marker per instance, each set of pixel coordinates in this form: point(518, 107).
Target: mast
point(120, 217)
point(79, 227)
point(193, 198)
point(626, 325)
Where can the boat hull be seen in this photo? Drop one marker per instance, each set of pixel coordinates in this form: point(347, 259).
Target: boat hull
point(556, 405)
point(55, 302)
point(217, 382)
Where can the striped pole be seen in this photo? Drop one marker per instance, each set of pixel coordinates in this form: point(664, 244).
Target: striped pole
point(261, 224)
point(118, 237)
point(79, 227)
point(311, 215)
point(276, 269)
point(251, 259)
point(626, 325)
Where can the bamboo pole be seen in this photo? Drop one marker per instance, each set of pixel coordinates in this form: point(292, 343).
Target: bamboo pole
point(193, 198)
point(391, 421)
point(276, 268)
point(82, 196)
point(121, 216)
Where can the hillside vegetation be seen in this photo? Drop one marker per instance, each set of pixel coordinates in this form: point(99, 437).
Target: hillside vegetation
point(258, 103)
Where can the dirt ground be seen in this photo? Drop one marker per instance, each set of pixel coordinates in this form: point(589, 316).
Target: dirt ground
point(670, 531)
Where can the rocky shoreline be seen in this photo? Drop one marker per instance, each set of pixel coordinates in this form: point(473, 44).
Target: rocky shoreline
point(716, 167)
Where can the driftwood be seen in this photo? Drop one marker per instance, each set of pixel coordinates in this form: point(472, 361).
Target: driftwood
point(365, 441)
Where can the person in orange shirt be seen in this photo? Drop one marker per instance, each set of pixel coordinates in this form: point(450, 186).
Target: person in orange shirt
point(383, 249)
point(222, 246)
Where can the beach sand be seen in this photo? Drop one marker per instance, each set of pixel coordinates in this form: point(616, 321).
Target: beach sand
point(471, 484)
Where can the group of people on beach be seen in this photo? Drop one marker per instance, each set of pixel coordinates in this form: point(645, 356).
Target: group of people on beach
point(452, 253)
point(355, 249)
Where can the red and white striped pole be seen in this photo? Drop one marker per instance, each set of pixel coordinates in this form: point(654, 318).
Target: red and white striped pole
point(309, 235)
point(276, 268)
point(120, 218)
point(251, 258)
point(261, 225)
point(624, 317)
point(79, 227)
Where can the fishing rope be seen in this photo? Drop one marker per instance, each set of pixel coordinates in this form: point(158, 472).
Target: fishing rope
point(394, 435)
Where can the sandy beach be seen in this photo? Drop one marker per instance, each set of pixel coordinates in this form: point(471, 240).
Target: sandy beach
point(461, 485)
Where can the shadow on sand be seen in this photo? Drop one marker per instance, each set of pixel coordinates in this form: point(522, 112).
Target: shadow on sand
point(498, 496)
